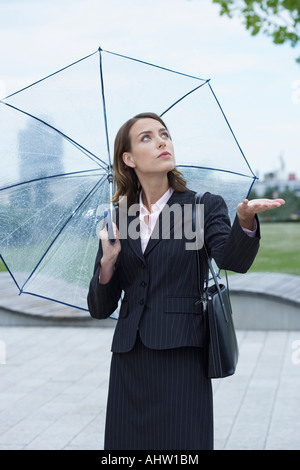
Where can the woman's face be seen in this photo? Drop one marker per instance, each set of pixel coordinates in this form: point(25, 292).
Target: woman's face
point(152, 150)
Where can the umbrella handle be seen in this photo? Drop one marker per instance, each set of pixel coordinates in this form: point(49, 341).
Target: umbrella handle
point(109, 226)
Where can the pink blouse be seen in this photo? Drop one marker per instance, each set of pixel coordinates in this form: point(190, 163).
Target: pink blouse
point(148, 219)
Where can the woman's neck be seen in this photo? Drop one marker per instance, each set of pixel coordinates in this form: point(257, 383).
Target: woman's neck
point(153, 190)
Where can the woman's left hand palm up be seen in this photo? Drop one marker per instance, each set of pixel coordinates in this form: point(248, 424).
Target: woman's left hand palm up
point(247, 208)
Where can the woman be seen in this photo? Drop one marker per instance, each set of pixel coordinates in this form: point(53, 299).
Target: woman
point(159, 396)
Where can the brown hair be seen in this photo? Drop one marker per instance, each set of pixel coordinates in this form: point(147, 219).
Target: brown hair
point(125, 179)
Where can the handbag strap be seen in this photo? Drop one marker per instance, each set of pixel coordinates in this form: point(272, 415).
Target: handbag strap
point(204, 293)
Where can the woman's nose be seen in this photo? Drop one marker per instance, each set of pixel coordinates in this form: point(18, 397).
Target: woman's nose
point(161, 142)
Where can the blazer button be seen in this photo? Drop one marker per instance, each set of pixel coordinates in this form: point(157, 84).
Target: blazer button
point(143, 284)
point(142, 302)
point(142, 265)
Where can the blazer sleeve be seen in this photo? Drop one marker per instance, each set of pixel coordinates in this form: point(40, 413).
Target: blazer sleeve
point(230, 247)
point(103, 299)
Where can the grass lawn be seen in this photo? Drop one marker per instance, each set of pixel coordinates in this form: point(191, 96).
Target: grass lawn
point(279, 249)
point(2, 267)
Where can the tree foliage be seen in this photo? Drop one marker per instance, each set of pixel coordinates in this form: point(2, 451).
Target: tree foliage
point(279, 19)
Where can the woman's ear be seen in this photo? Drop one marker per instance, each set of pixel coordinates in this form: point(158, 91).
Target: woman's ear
point(127, 159)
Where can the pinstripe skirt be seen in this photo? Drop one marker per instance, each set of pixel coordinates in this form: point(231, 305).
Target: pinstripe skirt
point(159, 400)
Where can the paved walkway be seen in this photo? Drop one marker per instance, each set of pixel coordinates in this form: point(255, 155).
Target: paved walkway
point(53, 390)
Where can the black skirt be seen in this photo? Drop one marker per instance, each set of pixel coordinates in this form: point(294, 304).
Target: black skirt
point(159, 400)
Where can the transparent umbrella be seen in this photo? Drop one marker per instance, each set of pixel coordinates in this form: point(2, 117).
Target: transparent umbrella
point(56, 141)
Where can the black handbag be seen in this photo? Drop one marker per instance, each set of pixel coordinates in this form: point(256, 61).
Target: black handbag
point(222, 346)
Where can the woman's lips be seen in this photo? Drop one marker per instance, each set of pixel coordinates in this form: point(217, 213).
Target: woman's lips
point(164, 155)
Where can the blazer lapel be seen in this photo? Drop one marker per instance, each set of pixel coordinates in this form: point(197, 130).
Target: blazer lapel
point(133, 235)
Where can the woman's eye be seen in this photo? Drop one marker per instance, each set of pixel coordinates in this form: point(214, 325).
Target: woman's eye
point(165, 134)
point(145, 138)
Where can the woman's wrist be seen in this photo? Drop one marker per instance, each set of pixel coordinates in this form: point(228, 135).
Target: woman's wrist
point(246, 222)
point(107, 268)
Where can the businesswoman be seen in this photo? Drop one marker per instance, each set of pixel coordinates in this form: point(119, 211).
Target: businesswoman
point(159, 395)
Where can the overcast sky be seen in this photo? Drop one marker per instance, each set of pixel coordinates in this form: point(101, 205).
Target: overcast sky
point(257, 83)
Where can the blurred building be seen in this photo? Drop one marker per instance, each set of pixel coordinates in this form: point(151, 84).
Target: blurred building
point(40, 151)
point(279, 179)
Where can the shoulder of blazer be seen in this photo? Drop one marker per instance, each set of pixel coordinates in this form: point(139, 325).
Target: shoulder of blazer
point(185, 197)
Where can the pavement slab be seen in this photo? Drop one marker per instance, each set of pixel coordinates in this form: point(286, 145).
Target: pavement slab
point(53, 390)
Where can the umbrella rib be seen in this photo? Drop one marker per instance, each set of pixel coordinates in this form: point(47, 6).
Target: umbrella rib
point(33, 180)
point(62, 228)
point(219, 169)
point(184, 96)
point(51, 75)
point(152, 65)
point(231, 129)
point(86, 152)
point(104, 107)
point(251, 186)
point(54, 300)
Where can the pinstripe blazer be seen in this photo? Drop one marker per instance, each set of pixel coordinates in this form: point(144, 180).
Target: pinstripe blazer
point(161, 286)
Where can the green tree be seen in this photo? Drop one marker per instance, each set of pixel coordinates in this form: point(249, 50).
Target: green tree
point(279, 19)
point(289, 211)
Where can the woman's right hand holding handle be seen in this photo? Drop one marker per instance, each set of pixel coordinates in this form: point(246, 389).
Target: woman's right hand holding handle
point(110, 254)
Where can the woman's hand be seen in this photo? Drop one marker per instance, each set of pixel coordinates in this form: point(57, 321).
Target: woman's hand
point(246, 210)
point(110, 254)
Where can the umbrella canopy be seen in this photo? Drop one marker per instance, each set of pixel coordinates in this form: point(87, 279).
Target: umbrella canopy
point(56, 140)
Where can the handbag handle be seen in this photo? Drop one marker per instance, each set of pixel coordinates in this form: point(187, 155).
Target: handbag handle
point(204, 294)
